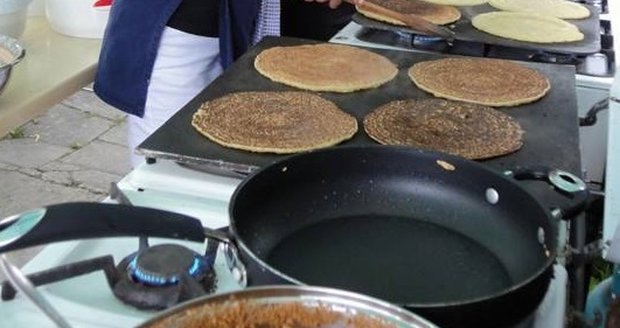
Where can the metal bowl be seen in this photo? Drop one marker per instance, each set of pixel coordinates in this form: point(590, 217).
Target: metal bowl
point(346, 303)
point(11, 52)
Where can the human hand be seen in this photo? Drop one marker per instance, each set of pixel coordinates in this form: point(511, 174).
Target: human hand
point(335, 3)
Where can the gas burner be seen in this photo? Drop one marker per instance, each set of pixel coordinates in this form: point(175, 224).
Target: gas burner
point(162, 276)
point(163, 265)
point(153, 278)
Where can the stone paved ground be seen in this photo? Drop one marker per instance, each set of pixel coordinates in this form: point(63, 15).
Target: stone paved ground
point(71, 153)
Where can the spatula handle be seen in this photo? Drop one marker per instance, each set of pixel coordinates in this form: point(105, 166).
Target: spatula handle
point(413, 21)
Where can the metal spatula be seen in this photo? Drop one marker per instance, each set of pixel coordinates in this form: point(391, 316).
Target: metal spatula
point(414, 21)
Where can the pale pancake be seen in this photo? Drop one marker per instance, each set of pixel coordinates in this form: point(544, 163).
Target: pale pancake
point(556, 8)
point(275, 122)
point(436, 14)
point(490, 82)
point(458, 2)
point(468, 130)
point(527, 27)
point(325, 67)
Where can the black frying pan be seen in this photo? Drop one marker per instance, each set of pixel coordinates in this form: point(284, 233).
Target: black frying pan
point(446, 237)
point(464, 247)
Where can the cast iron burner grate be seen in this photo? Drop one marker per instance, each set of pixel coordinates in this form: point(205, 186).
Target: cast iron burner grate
point(161, 276)
point(154, 277)
point(163, 265)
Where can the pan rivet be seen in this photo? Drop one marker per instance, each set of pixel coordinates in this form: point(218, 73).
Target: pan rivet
point(541, 235)
point(492, 196)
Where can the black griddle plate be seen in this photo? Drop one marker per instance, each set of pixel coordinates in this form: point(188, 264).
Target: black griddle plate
point(465, 31)
point(551, 124)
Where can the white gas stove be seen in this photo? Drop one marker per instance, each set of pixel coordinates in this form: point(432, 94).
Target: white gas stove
point(87, 301)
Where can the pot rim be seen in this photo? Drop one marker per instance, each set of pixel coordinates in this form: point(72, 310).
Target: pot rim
point(354, 303)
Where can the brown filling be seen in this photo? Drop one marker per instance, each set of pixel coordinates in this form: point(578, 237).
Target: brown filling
point(291, 315)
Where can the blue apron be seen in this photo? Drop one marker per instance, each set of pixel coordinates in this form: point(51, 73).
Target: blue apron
point(132, 38)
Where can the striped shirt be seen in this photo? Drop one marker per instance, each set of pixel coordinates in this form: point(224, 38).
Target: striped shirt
point(268, 22)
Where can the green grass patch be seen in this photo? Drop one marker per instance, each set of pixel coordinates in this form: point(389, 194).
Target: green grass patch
point(17, 133)
point(601, 270)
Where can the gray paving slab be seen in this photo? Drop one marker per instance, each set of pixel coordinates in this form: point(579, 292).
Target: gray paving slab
point(21, 192)
point(75, 175)
point(95, 181)
point(57, 158)
point(26, 152)
point(60, 166)
point(89, 102)
point(32, 172)
point(117, 134)
point(65, 126)
point(8, 167)
point(58, 172)
point(101, 156)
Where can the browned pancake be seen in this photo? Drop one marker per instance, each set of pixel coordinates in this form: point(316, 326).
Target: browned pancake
point(275, 122)
point(468, 130)
point(490, 82)
point(434, 13)
point(325, 67)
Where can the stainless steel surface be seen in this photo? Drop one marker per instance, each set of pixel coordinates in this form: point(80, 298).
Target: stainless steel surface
point(11, 52)
point(338, 300)
point(21, 283)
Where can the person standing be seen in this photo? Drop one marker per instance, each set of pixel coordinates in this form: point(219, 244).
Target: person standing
point(159, 54)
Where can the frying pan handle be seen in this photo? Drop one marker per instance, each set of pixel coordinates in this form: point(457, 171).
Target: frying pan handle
point(563, 182)
point(231, 251)
point(70, 221)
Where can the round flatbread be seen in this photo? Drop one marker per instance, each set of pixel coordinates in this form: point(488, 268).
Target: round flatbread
point(325, 67)
point(556, 8)
point(275, 122)
point(527, 27)
point(490, 82)
point(436, 14)
point(458, 2)
point(468, 130)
